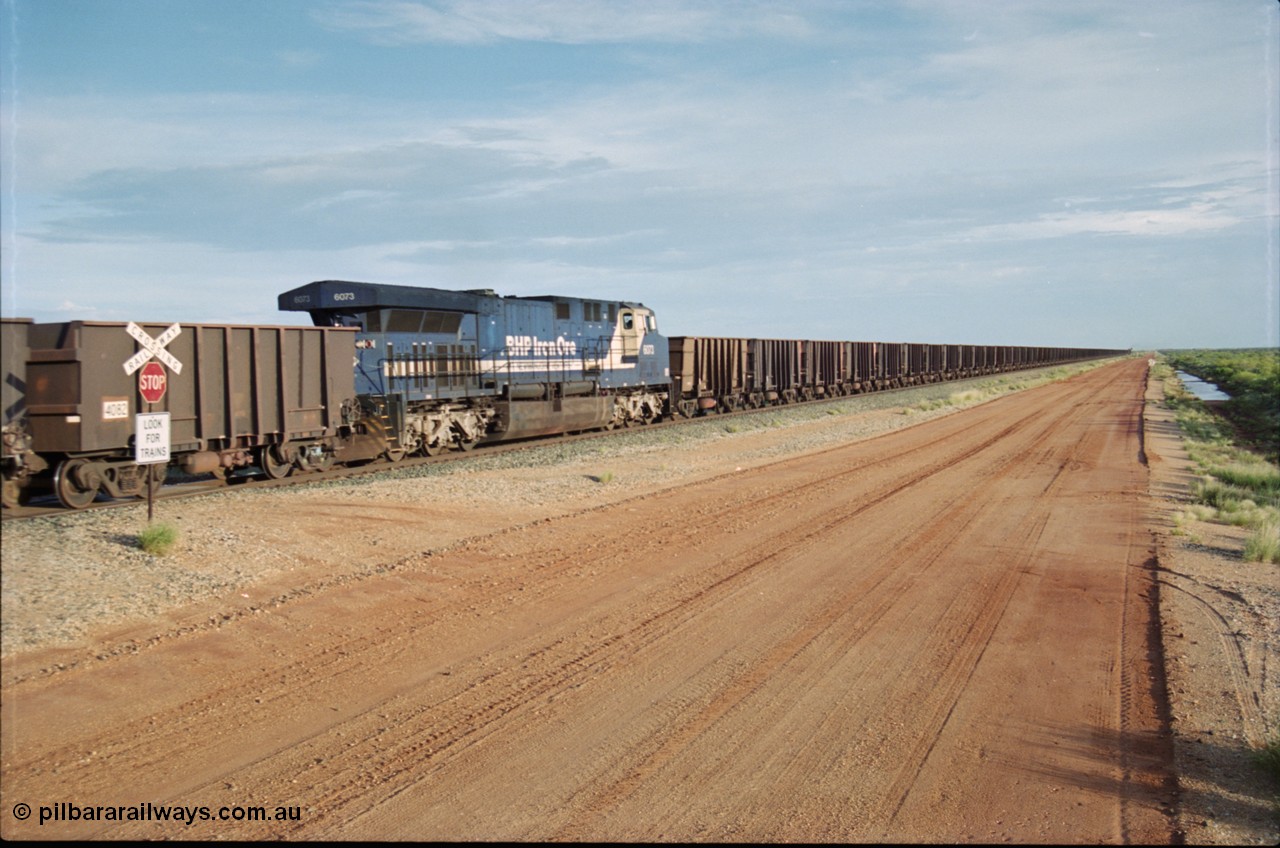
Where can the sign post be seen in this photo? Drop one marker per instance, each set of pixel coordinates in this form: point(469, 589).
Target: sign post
point(151, 447)
point(151, 429)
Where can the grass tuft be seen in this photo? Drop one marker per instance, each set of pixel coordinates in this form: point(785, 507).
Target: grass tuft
point(967, 396)
point(158, 539)
point(1263, 544)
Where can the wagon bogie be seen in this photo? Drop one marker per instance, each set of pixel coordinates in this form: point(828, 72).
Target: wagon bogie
point(19, 463)
point(78, 481)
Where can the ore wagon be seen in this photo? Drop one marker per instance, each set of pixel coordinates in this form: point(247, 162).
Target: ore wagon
point(267, 396)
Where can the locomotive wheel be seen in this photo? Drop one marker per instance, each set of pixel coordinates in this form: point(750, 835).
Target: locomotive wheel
point(466, 444)
point(272, 465)
point(432, 449)
point(69, 492)
point(410, 443)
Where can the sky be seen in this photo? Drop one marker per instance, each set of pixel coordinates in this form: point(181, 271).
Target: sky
point(1093, 173)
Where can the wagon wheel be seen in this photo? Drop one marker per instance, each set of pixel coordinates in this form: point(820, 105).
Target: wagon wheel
point(70, 493)
point(272, 464)
point(153, 477)
point(14, 493)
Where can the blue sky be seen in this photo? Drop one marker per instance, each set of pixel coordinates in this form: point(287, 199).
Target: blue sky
point(1008, 172)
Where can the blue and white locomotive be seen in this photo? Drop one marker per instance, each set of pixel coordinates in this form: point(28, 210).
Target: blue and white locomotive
point(438, 369)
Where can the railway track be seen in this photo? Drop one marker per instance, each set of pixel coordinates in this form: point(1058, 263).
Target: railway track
point(45, 503)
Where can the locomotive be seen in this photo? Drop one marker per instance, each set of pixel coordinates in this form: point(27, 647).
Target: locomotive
point(444, 368)
point(387, 371)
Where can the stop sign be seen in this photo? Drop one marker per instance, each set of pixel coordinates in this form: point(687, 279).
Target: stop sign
point(152, 381)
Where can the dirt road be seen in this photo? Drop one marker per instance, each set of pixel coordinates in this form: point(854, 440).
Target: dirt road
point(940, 634)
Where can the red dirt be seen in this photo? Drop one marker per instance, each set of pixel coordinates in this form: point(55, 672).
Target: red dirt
point(942, 634)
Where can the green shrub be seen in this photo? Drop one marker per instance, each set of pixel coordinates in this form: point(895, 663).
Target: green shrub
point(158, 539)
point(1255, 477)
point(1263, 544)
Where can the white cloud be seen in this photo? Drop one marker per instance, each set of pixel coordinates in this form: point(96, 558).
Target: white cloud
point(1165, 208)
point(299, 58)
point(562, 21)
point(347, 197)
point(1196, 218)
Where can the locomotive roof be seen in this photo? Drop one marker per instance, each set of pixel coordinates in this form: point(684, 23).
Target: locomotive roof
point(344, 295)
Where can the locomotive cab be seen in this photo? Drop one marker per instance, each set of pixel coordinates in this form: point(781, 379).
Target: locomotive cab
point(632, 324)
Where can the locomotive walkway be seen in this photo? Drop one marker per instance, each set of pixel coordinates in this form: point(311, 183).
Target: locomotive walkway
point(945, 633)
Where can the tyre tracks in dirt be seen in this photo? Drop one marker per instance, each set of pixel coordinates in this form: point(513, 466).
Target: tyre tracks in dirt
point(921, 636)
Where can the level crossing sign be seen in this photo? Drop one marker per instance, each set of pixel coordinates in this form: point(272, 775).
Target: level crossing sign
point(152, 381)
point(152, 348)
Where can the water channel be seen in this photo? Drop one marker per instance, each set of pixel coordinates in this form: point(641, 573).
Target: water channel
point(1202, 389)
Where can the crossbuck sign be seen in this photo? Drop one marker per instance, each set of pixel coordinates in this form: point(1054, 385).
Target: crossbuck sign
point(152, 347)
